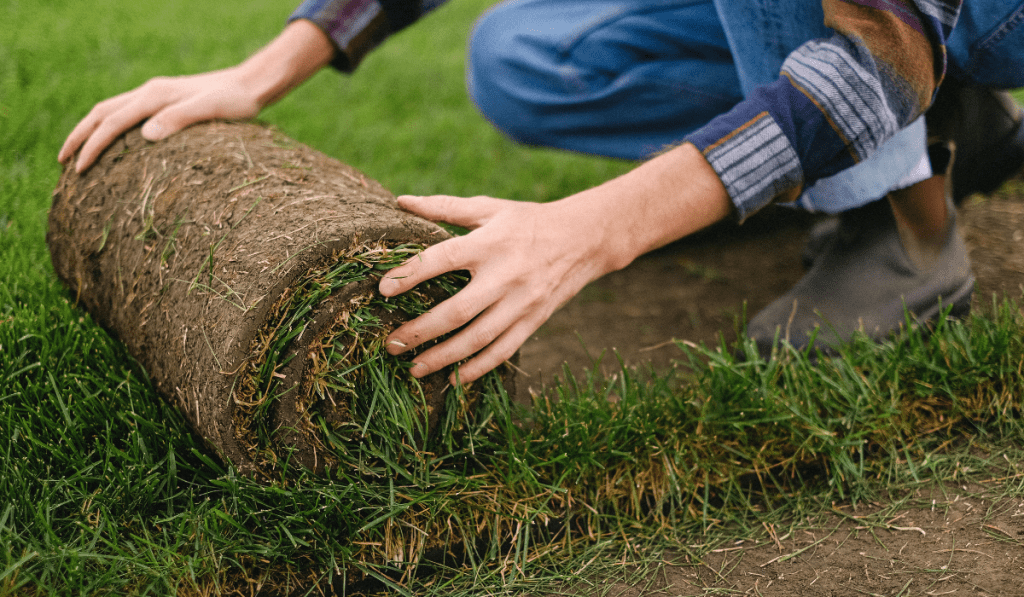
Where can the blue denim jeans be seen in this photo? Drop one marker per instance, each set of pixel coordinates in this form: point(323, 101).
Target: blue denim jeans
point(628, 78)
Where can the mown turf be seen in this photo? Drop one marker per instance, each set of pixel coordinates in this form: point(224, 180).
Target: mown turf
point(104, 491)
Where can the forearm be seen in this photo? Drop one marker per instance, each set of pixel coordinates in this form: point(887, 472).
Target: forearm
point(295, 55)
point(356, 27)
point(660, 201)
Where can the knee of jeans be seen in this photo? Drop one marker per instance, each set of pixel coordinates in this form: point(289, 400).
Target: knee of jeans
point(987, 45)
point(509, 76)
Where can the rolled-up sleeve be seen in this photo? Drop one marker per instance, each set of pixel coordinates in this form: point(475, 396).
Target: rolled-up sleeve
point(835, 102)
point(358, 26)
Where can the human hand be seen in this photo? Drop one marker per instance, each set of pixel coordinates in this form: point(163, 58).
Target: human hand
point(170, 104)
point(173, 103)
point(525, 260)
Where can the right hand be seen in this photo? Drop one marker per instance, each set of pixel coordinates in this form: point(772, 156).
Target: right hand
point(169, 103)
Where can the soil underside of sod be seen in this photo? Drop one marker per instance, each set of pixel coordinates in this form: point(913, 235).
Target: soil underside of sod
point(971, 542)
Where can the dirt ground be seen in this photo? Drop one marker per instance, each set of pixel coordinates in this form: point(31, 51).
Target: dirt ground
point(960, 541)
point(954, 541)
point(698, 288)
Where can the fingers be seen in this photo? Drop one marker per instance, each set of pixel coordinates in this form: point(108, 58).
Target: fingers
point(87, 125)
point(208, 104)
point(492, 338)
point(464, 307)
point(496, 320)
point(450, 314)
point(171, 120)
point(75, 139)
point(110, 118)
point(523, 264)
point(169, 104)
point(432, 262)
point(496, 353)
point(469, 212)
point(501, 305)
point(105, 133)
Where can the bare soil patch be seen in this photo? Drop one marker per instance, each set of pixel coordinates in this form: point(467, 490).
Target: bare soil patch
point(694, 290)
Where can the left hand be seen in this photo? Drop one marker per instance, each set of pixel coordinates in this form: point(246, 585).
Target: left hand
point(525, 260)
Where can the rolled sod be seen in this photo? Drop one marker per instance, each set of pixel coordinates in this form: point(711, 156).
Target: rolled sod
point(239, 267)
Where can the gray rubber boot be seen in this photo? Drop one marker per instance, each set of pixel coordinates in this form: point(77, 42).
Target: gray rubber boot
point(862, 281)
point(818, 237)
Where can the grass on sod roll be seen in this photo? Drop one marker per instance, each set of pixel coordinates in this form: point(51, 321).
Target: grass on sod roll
point(104, 491)
point(350, 360)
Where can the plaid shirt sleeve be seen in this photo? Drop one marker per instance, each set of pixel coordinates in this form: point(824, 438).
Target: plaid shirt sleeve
point(836, 101)
point(358, 26)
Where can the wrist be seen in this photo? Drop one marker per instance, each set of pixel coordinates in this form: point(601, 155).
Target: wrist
point(296, 54)
point(663, 200)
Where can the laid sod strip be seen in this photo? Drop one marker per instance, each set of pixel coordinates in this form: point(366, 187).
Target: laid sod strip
point(107, 489)
point(613, 466)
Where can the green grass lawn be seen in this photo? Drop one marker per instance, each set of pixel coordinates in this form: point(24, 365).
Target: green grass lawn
point(103, 489)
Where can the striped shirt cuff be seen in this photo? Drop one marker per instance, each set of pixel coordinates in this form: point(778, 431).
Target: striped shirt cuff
point(355, 27)
point(755, 162)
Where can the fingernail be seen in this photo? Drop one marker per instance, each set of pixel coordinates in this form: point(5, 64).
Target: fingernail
point(396, 347)
point(152, 130)
point(418, 370)
point(388, 286)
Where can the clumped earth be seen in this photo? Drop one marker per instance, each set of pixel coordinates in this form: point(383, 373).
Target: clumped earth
point(950, 540)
